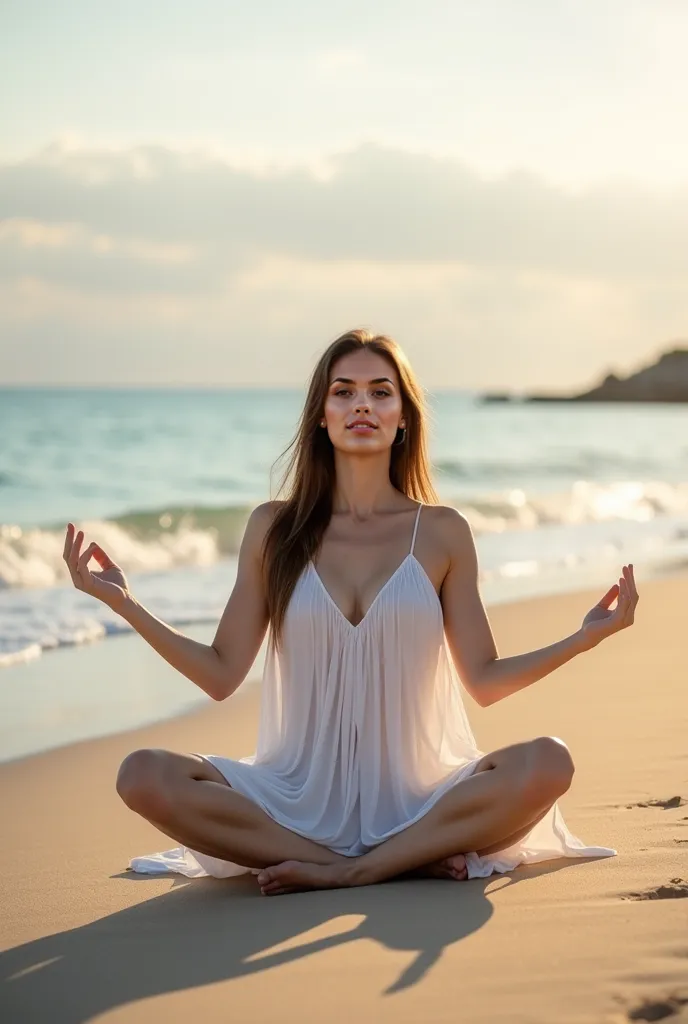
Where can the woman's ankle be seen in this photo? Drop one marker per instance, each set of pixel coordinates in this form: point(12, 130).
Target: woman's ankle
point(359, 871)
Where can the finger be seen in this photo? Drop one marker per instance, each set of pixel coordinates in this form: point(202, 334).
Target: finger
point(85, 556)
point(69, 537)
point(627, 605)
point(76, 549)
point(631, 580)
point(608, 598)
point(632, 594)
point(103, 557)
point(76, 579)
point(621, 604)
point(70, 556)
point(82, 564)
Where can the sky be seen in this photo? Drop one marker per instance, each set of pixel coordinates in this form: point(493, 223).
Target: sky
point(210, 193)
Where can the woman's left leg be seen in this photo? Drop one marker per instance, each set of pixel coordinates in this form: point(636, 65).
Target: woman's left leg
point(500, 802)
point(504, 844)
point(454, 867)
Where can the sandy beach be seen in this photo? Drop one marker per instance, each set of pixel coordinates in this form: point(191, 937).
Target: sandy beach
point(566, 941)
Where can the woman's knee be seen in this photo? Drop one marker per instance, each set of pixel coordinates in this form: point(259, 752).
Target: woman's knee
point(549, 768)
point(143, 783)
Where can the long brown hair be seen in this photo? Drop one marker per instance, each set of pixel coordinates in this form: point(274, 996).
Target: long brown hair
point(298, 526)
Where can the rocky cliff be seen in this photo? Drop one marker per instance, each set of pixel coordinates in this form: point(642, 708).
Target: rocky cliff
point(663, 381)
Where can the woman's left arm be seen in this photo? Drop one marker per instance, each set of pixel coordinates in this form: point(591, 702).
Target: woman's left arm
point(487, 677)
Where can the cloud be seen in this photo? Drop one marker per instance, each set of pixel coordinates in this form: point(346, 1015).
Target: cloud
point(376, 203)
point(183, 246)
point(74, 254)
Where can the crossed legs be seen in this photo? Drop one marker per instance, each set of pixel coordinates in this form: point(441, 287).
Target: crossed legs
point(188, 800)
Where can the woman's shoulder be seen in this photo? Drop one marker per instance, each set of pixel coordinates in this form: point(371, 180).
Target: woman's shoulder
point(449, 526)
point(262, 515)
point(446, 517)
point(267, 509)
point(259, 522)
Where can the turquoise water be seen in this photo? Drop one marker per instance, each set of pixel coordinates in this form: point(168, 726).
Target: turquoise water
point(559, 496)
point(165, 481)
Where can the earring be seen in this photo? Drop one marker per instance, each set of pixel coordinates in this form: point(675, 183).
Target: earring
point(401, 440)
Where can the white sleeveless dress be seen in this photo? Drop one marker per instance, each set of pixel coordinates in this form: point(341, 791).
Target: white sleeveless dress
point(362, 729)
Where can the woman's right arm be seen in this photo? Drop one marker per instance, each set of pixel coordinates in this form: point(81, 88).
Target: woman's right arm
point(220, 667)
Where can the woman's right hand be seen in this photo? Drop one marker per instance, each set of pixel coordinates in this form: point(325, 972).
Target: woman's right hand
point(109, 586)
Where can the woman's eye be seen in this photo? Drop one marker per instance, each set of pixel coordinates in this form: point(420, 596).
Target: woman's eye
point(345, 391)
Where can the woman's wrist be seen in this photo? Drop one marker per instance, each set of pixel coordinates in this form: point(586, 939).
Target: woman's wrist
point(125, 607)
point(584, 641)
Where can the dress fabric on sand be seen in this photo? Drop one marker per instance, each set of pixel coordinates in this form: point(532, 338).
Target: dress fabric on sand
point(362, 729)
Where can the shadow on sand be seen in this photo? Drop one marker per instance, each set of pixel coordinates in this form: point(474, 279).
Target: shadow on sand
point(209, 930)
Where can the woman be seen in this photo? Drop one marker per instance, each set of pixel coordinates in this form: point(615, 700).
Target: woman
point(366, 766)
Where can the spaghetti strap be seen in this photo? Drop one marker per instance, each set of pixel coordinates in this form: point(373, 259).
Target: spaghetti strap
point(415, 527)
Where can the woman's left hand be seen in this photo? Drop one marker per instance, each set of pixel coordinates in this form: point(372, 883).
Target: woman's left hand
point(600, 622)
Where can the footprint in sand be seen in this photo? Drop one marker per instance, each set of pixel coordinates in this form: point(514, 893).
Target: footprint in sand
point(658, 1008)
point(672, 801)
point(677, 888)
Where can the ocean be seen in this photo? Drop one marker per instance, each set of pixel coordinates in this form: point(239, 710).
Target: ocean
point(559, 496)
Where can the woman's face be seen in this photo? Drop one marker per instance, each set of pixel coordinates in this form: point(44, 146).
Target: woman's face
point(363, 385)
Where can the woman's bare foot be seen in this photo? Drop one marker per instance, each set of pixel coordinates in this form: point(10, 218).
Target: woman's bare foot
point(453, 867)
point(298, 876)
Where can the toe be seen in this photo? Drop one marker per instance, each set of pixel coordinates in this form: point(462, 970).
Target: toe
point(280, 890)
point(458, 867)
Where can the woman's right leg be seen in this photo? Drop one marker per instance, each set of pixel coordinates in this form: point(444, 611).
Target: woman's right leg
point(454, 867)
point(189, 800)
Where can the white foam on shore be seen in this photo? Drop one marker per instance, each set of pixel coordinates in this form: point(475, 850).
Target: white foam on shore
point(34, 557)
point(156, 541)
